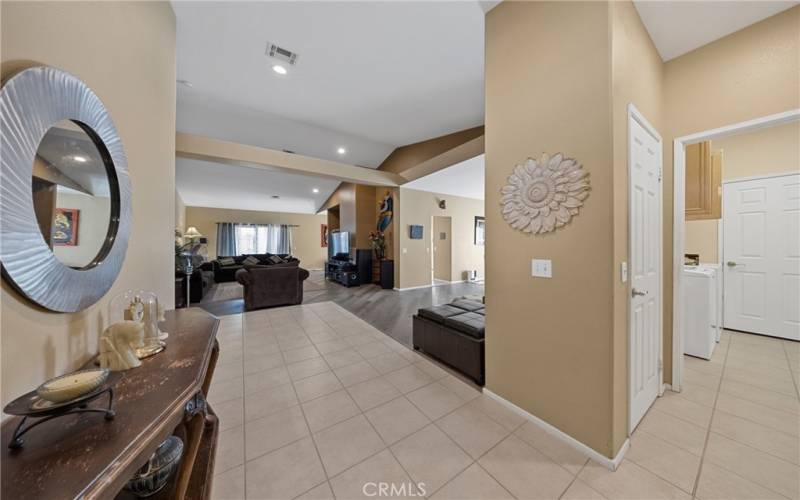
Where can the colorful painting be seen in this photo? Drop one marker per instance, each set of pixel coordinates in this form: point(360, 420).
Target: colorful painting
point(323, 235)
point(65, 227)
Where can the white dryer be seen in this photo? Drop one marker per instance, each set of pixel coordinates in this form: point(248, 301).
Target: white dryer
point(700, 298)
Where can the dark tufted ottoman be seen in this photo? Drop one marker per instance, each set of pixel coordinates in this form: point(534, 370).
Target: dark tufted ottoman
point(453, 333)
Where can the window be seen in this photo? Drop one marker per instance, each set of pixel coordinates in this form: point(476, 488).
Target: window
point(260, 238)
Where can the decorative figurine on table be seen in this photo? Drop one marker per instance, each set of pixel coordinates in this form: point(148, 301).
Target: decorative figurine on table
point(118, 345)
point(141, 307)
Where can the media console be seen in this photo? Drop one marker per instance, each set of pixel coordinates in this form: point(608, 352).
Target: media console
point(342, 271)
point(351, 273)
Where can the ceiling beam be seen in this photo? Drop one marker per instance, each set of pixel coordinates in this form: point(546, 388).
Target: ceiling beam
point(462, 152)
point(230, 153)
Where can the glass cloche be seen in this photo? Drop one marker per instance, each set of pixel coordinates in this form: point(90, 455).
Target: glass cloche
point(141, 306)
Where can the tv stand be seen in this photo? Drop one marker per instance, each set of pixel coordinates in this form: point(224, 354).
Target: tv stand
point(342, 271)
point(351, 273)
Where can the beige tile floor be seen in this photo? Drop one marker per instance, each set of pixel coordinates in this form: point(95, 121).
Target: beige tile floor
point(314, 403)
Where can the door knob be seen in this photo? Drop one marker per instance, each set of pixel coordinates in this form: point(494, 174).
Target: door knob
point(635, 293)
point(731, 263)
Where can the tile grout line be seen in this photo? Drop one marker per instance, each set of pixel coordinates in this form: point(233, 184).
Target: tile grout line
point(575, 478)
point(308, 426)
point(791, 373)
point(364, 414)
point(714, 410)
point(281, 351)
point(244, 428)
point(710, 423)
point(769, 488)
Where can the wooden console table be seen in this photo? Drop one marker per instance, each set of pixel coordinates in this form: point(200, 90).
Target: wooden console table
point(85, 456)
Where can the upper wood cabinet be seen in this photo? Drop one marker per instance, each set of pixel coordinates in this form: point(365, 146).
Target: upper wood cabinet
point(703, 182)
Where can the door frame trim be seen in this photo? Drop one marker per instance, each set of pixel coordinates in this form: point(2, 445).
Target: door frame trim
point(679, 221)
point(635, 115)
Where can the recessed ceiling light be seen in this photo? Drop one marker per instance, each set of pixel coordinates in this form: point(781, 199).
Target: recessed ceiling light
point(276, 197)
point(186, 83)
point(315, 190)
point(341, 150)
point(279, 69)
point(80, 159)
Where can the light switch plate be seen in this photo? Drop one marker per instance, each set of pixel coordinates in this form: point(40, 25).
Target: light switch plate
point(405, 250)
point(623, 272)
point(542, 268)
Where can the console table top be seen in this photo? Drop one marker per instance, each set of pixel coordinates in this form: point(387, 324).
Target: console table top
point(86, 456)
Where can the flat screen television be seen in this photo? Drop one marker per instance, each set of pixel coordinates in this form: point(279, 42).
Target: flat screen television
point(339, 246)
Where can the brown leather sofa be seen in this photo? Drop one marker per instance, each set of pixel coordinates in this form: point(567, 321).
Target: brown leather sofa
point(270, 286)
point(453, 333)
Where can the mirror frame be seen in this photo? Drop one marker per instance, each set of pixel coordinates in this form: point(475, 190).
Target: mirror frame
point(31, 102)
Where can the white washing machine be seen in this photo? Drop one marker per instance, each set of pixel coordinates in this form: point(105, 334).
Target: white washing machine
point(716, 306)
point(700, 330)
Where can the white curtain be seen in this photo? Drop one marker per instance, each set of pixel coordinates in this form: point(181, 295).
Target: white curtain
point(263, 238)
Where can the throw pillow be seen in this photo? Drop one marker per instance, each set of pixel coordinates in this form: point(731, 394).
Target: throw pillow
point(226, 261)
point(275, 259)
point(251, 261)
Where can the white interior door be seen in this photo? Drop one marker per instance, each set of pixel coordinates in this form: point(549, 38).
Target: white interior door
point(644, 345)
point(761, 246)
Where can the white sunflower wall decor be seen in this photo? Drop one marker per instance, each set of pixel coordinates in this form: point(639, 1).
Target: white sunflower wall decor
point(544, 194)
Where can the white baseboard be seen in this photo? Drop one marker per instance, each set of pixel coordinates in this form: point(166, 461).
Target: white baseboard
point(412, 288)
point(609, 463)
point(431, 285)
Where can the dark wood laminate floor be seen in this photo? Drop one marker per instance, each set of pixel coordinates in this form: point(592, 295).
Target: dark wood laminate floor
point(387, 310)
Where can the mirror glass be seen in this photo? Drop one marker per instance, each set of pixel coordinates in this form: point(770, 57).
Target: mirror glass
point(72, 195)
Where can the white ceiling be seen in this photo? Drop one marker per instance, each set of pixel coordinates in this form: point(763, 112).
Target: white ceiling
point(392, 73)
point(678, 27)
point(462, 179)
point(370, 76)
point(204, 184)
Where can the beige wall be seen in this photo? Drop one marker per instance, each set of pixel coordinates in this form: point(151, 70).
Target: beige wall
point(637, 77)
point(418, 208)
point(180, 213)
point(345, 199)
point(751, 73)
point(549, 341)
point(305, 238)
point(124, 51)
point(92, 227)
point(770, 151)
point(365, 215)
point(774, 150)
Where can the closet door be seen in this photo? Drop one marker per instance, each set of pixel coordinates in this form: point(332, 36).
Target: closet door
point(761, 245)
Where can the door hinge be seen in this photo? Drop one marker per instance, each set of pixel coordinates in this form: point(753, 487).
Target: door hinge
point(661, 365)
point(659, 174)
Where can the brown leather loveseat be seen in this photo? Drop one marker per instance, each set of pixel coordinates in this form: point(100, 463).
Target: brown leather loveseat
point(270, 286)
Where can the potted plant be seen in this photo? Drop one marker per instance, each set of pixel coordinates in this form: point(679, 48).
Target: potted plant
point(378, 240)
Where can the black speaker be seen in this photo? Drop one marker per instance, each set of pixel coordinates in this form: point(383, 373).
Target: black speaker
point(348, 278)
point(364, 266)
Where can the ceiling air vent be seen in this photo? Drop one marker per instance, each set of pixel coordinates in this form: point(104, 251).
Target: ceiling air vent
point(281, 54)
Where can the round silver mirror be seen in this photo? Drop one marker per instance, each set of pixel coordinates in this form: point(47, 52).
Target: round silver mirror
point(65, 192)
point(75, 196)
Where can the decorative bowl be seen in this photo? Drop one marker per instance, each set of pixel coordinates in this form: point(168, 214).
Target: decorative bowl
point(155, 474)
point(72, 385)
